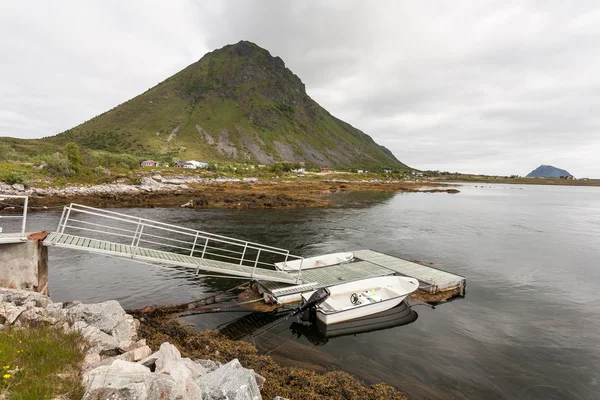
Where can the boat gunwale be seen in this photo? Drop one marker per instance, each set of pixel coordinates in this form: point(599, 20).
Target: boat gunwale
point(320, 310)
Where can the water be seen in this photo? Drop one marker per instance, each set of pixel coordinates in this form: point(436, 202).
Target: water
point(529, 327)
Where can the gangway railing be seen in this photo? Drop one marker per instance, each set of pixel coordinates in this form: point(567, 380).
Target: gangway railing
point(144, 233)
point(18, 235)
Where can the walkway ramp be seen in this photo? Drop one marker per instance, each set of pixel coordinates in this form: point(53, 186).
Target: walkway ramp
point(121, 235)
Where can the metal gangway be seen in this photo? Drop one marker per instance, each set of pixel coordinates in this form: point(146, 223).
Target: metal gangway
point(116, 234)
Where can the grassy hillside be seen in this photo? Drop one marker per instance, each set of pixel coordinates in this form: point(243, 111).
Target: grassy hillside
point(236, 104)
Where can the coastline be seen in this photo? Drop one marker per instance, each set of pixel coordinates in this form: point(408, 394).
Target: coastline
point(223, 192)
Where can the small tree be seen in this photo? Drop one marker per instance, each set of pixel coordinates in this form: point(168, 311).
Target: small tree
point(73, 156)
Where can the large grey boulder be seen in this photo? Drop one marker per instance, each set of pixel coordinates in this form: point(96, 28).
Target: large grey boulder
point(101, 342)
point(107, 316)
point(124, 380)
point(10, 312)
point(230, 382)
point(169, 362)
point(21, 297)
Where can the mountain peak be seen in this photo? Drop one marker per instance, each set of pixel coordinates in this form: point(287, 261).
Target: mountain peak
point(547, 171)
point(237, 103)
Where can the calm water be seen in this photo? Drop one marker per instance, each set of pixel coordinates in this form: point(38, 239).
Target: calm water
point(529, 327)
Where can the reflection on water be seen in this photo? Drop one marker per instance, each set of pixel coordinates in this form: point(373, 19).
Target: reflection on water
point(528, 329)
point(256, 324)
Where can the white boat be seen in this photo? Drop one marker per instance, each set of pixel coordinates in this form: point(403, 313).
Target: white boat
point(357, 299)
point(315, 262)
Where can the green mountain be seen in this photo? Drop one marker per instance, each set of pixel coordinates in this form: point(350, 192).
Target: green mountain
point(237, 103)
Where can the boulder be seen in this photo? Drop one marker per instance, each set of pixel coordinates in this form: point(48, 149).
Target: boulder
point(209, 365)
point(126, 380)
point(100, 341)
point(196, 370)
point(231, 382)
point(169, 362)
point(9, 313)
point(107, 316)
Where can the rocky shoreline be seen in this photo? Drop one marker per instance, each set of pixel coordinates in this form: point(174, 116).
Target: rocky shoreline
point(120, 365)
point(214, 192)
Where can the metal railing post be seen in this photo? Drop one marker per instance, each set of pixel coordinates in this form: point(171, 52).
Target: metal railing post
point(204, 249)
point(24, 222)
point(137, 245)
point(255, 263)
point(66, 218)
point(243, 254)
point(287, 254)
point(61, 219)
point(137, 228)
point(299, 271)
point(194, 245)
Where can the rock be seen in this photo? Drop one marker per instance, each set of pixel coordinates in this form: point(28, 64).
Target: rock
point(19, 186)
point(189, 204)
point(169, 362)
point(20, 297)
point(125, 380)
point(209, 365)
point(231, 382)
point(102, 342)
point(1, 327)
point(150, 361)
point(279, 398)
point(197, 370)
point(157, 177)
point(9, 313)
point(108, 316)
point(146, 182)
point(260, 380)
point(136, 354)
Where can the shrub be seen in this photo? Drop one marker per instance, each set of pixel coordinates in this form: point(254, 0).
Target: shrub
point(12, 178)
point(59, 164)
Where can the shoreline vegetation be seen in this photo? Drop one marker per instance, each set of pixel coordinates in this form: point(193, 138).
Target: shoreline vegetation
point(285, 381)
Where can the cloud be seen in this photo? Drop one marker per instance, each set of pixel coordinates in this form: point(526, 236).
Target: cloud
point(488, 87)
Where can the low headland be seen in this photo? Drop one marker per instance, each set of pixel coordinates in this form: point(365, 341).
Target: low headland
point(176, 187)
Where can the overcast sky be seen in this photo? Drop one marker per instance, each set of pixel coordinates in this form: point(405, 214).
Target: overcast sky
point(495, 87)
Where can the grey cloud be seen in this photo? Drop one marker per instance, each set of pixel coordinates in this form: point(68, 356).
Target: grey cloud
point(491, 87)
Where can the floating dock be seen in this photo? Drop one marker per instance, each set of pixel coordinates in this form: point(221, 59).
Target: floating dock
point(366, 264)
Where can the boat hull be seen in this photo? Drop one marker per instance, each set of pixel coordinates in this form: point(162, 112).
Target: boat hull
point(358, 312)
point(315, 262)
point(358, 299)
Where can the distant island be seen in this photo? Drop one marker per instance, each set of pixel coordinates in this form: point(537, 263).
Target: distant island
point(548, 171)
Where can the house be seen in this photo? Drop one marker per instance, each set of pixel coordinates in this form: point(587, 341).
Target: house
point(299, 170)
point(360, 171)
point(149, 163)
point(326, 170)
point(387, 171)
point(191, 164)
point(198, 164)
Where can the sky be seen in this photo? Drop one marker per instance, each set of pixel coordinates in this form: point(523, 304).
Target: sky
point(492, 87)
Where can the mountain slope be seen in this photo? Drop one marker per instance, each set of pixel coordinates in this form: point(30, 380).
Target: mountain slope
point(547, 171)
point(237, 103)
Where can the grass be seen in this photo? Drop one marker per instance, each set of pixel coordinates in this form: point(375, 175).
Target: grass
point(40, 363)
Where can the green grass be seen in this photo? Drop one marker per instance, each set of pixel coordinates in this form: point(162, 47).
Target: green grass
point(40, 363)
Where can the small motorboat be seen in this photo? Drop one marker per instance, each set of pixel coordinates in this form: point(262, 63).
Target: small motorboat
point(315, 262)
point(357, 299)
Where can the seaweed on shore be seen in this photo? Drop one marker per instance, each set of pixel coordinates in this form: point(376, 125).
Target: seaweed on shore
point(289, 382)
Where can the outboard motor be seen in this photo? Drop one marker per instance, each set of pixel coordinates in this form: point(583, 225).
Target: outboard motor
point(313, 301)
